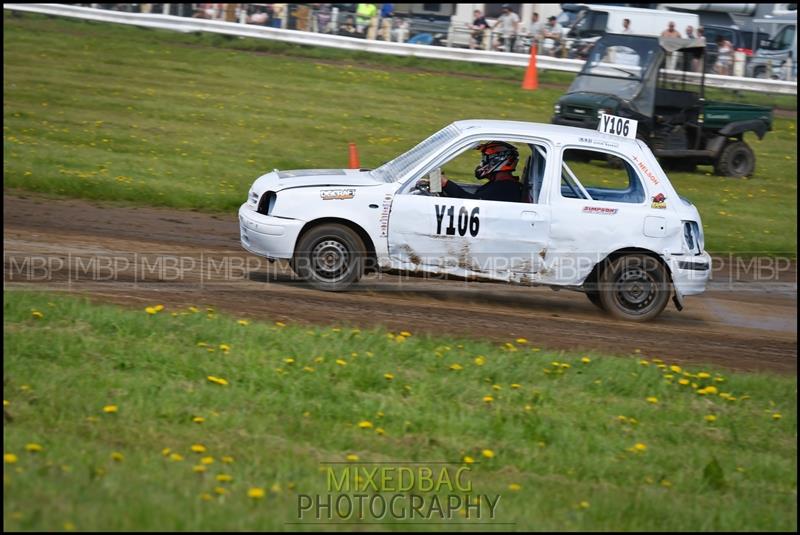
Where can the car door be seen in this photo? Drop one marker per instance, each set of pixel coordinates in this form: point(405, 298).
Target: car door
point(465, 237)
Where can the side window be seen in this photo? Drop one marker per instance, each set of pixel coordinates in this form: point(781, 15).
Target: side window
point(589, 174)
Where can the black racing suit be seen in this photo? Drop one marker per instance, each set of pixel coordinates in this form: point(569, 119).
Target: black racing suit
point(494, 190)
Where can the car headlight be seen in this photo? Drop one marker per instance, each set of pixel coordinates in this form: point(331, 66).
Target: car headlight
point(557, 109)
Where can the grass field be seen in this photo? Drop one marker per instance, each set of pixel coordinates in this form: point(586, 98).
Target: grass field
point(109, 112)
point(104, 404)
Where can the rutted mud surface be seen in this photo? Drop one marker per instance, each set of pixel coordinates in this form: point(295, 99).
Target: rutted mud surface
point(739, 323)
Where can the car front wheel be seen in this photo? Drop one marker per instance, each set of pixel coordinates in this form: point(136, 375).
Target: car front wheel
point(330, 257)
point(634, 287)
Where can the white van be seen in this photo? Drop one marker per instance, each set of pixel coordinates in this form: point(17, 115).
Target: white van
point(596, 20)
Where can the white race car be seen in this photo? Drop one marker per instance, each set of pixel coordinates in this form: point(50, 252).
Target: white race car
point(620, 233)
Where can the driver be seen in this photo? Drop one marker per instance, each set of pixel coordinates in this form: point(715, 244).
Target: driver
point(498, 161)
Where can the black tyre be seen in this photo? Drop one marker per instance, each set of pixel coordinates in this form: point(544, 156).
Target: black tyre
point(329, 257)
point(634, 287)
point(736, 160)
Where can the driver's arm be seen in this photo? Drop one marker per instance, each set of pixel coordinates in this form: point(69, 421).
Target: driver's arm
point(451, 189)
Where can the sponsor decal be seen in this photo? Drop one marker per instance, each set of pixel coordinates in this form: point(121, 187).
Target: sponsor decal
point(643, 167)
point(602, 210)
point(599, 142)
point(659, 201)
point(337, 194)
point(384, 219)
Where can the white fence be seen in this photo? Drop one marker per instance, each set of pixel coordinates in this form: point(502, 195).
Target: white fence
point(185, 24)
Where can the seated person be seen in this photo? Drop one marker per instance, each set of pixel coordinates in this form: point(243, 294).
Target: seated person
point(498, 161)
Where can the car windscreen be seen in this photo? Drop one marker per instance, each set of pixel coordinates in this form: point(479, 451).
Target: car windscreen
point(403, 164)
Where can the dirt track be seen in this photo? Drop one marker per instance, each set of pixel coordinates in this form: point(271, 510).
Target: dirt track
point(739, 323)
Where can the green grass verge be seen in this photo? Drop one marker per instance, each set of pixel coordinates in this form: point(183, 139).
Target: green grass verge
point(119, 113)
point(560, 430)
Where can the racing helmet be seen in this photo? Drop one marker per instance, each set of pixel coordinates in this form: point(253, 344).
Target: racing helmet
point(496, 156)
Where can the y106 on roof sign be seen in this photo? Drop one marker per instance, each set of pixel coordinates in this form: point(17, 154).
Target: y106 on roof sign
point(617, 126)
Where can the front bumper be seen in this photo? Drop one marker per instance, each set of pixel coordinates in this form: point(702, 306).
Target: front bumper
point(690, 274)
point(268, 236)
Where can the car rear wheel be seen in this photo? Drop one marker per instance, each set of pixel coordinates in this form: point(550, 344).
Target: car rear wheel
point(736, 160)
point(329, 257)
point(634, 287)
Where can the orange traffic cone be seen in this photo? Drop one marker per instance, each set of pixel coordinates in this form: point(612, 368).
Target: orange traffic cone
point(354, 163)
point(531, 80)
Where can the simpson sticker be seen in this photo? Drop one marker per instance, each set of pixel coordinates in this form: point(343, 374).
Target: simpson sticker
point(659, 201)
point(599, 210)
point(337, 194)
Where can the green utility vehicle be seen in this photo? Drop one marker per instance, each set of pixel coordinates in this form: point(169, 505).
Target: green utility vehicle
point(628, 76)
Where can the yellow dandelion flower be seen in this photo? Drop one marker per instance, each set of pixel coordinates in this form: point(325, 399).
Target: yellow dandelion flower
point(399, 338)
point(497, 387)
point(565, 366)
point(521, 341)
point(199, 468)
point(177, 457)
point(206, 497)
point(364, 424)
point(676, 369)
point(217, 380)
point(388, 376)
point(586, 360)
point(341, 362)
point(194, 310)
point(405, 333)
point(489, 454)
point(308, 369)
point(198, 419)
point(703, 375)
point(243, 323)
point(33, 447)
point(220, 490)
point(652, 399)
point(227, 459)
point(276, 488)
point(644, 362)
point(666, 483)
point(516, 386)
point(224, 347)
point(352, 457)
point(480, 360)
point(166, 451)
point(207, 460)
point(514, 487)
point(488, 399)
point(224, 478)
point(256, 493)
point(710, 418)
point(584, 504)
point(289, 360)
point(150, 310)
point(456, 367)
point(468, 459)
point(110, 409)
point(683, 382)
point(776, 416)
point(198, 448)
point(9, 458)
point(380, 431)
point(280, 324)
point(6, 403)
point(639, 447)
point(117, 456)
point(36, 314)
point(69, 526)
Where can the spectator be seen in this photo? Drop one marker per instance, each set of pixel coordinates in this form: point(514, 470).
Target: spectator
point(348, 29)
point(278, 11)
point(724, 56)
point(554, 31)
point(626, 26)
point(364, 15)
point(257, 14)
point(478, 28)
point(401, 29)
point(324, 17)
point(671, 31)
point(385, 23)
point(701, 33)
point(509, 26)
point(690, 32)
point(536, 28)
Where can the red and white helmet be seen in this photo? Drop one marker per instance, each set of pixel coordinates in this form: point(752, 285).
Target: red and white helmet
point(496, 156)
